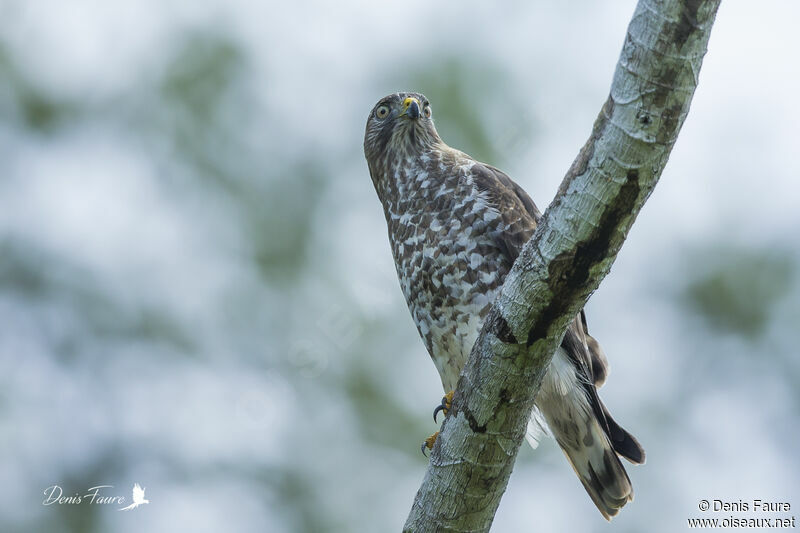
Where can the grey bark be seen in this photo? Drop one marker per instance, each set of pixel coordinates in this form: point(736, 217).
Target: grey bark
point(570, 253)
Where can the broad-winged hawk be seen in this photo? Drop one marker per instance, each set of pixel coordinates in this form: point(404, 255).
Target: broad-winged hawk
point(455, 227)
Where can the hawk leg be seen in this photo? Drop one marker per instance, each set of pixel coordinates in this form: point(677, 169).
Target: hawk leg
point(444, 407)
point(427, 444)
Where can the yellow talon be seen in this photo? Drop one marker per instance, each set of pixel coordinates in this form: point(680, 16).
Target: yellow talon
point(447, 403)
point(444, 407)
point(428, 443)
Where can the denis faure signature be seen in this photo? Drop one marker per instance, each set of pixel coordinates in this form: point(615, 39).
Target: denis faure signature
point(97, 495)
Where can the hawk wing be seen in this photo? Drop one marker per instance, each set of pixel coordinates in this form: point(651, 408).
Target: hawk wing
point(516, 209)
point(520, 217)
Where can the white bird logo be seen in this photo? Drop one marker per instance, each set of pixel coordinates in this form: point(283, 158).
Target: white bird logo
point(138, 498)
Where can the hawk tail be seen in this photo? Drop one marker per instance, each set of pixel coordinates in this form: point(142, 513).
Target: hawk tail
point(623, 442)
point(592, 447)
point(589, 437)
point(599, 469)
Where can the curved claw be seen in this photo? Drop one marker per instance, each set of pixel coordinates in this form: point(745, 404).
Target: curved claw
point(447, 401)
point(439, 408)
point(428, 443)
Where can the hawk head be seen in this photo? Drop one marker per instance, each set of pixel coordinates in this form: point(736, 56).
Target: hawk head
point(399, 126)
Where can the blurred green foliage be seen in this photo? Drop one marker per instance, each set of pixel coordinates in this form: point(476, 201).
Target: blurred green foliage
point(23, 101)
point(206, 93)
point(382, 420)
point(473, 109)
point(299, 503)
point(203, 68)
point(279, 221)
point(41, 277)
point(735, 290)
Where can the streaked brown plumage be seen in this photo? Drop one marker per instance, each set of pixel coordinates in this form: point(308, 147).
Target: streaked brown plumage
point(455, 227)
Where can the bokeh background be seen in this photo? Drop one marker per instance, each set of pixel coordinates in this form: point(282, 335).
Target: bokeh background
point(197, 294)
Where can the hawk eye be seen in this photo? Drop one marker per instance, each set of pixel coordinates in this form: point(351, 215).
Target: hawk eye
point(382, 111)
point(427, 111)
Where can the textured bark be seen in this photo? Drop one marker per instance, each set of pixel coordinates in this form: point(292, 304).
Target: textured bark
point(570, 253)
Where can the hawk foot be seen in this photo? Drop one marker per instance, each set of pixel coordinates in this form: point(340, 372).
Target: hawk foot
point(447, 402)
point(427, 444)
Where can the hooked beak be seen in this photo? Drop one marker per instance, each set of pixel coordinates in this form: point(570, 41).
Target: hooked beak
point(410, 108)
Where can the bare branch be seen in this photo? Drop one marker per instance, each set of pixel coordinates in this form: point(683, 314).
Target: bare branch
point(570, 253)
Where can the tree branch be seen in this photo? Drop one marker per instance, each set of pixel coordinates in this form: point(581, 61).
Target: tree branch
point(571, 251)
